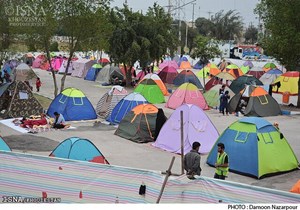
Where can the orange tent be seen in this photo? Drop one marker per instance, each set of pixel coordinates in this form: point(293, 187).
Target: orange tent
point(296, 188)
point(185, 65)
point(233, 70)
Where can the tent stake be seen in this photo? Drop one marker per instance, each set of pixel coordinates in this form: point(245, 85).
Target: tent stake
point(168, 173)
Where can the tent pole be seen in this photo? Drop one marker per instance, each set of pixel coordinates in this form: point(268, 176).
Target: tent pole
point(182, 143)
point(168, 173)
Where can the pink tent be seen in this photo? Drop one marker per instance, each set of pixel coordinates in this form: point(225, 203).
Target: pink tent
point(187, 93)
point(168, 74)
point(38, 61)
point(196, 127)
point(169, 64)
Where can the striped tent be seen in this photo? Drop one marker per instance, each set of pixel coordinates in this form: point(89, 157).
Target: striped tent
point(109, 100)
point(83, 182)
point(124, 106)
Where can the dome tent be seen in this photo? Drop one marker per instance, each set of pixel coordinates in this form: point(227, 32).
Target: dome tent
point(79, 149)
point(73, 105)
point(255, 148)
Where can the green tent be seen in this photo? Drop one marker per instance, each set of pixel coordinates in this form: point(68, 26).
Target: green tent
point(255, 148)
point(151, 91)
point(212, 96)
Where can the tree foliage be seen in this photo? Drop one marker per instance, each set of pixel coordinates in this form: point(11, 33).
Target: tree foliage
point(138, 37)
point(282, 35)
point(222, 26)
point(251, 34)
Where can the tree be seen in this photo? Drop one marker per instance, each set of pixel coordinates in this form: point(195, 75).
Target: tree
point(282, 37)
point(228, 26)
point(205, 50)
point(4, 31)
point(160, 32)
point(251, 34)
point(79, 21)
point(138, 37)
point(204, 26)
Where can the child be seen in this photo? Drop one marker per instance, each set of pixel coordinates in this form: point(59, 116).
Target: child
point(38, 84)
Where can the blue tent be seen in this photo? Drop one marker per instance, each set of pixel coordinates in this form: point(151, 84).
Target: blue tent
point(93, 72)
point(125, 106)
point(73, 105)
point(3, 145)
point(182, 59)
point(78, 149)
point(255, 148)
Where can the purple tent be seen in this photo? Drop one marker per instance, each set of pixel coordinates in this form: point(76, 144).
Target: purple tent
point(197, 127)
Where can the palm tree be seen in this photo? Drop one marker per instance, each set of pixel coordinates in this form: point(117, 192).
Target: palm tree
point(228, 26)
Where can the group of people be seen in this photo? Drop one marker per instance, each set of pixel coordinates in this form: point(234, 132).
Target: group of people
point(224, 98)
point(35, 123)
point(192, 162)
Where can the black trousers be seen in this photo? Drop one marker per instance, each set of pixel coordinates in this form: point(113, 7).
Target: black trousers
point(217, 176)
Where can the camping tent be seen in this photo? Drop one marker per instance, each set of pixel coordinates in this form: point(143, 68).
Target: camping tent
point(39, 60)
point(209, 69)
point(186, 93)
point(140, 124)
point(159, 82)
point(185, 65)
point(196, 127)
point(79, 149)
point(168, 74)
point(233, 70)
point(24, 73)
point(125, 106)
point(107, 72)
point(109, 100)
point(63, 67)
point(73, 105)
point(212, 82)
point(81, 67)
point(92, 72)
point(212, 96)
point(270, 76)
point(187, 76)
point(255, 148)
point(269, 66)
point(3, 145)
point(288, 83)
point(17, 100)
point(256, 72)
point(151, 91)
point(259, 102)
point(239, 84)
point(296, 188)
point(169, 64)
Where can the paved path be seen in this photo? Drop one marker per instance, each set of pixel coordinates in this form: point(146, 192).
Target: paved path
point(122, 152)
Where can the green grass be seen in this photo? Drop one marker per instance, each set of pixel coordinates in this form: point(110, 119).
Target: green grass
point(45, 102)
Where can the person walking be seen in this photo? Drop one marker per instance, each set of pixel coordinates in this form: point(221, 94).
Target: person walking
point(38, 84)
point(221, 92)
point(192, 160)
point(222, 164)
point(224, 102)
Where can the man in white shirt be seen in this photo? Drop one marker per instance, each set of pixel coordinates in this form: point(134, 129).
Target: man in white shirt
point(59, 121)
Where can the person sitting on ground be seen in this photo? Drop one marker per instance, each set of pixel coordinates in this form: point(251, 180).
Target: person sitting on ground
point(59, 121)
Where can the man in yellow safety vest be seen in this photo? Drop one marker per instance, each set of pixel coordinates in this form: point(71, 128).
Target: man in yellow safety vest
point(222, 164)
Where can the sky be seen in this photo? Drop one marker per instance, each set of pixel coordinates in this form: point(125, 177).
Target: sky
point(202, 8)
